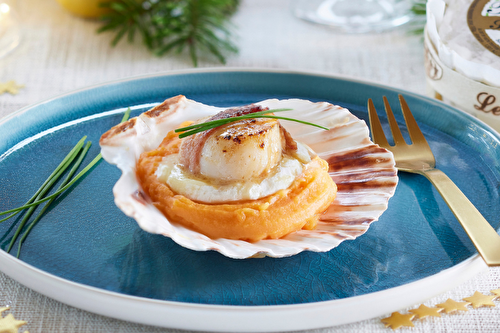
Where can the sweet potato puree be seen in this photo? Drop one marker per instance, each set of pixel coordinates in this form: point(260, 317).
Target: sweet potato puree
point(274, 216)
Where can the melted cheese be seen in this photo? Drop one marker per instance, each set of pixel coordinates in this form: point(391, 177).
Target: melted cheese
point(206, 190)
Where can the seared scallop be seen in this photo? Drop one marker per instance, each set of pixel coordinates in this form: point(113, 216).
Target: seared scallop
point(242, 150)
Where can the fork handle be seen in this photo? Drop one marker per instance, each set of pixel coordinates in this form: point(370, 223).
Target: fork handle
point(483, 236)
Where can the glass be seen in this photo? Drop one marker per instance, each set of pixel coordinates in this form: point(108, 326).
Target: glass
point(355, 16)
point(10, 34)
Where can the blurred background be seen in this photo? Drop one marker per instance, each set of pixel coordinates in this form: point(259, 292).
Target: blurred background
point(60, 50)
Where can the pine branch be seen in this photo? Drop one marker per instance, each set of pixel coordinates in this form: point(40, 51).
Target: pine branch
point(197, 26)
point(419, 10)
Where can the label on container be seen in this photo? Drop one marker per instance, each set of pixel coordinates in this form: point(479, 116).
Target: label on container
point(476, 98)
point(483, 19)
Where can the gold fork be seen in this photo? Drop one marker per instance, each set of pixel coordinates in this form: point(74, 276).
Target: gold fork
point(418, 158)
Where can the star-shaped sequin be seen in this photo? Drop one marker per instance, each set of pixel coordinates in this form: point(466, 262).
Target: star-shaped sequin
point(397, 320)
point(424, 311)
point(452, 306)
point(479, 299)
point(11, 87)
point(9, 324)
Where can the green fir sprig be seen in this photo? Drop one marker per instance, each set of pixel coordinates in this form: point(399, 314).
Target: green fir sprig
point(419, 11)
point(192, 26)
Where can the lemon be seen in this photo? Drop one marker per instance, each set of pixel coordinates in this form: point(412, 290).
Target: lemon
point(83, 8)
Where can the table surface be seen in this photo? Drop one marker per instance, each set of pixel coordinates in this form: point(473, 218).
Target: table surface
point(60, 53)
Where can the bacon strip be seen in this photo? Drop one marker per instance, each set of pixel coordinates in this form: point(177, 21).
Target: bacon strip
point(290, 143)
point(192, 145)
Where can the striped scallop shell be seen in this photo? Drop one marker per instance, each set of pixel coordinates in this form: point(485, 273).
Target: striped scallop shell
point(364, 173)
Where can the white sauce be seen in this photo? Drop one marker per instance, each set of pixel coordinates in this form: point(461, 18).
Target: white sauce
point(183, 182)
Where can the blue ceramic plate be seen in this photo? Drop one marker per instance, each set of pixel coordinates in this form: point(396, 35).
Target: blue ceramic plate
point(88, 254)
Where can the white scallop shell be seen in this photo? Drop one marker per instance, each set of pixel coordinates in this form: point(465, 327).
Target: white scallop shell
point(364, 173)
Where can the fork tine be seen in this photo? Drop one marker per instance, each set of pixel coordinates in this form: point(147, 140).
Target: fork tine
point(396, 132)
point(375, 126)
point(413, 129)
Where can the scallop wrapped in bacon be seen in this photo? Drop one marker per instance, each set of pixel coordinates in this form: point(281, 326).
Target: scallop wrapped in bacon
point(252, 187)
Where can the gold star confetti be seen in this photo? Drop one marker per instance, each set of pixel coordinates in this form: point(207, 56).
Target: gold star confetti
point(479, 299)
point(424, 311)
point(11, 87)
point(451, 306)
point(9, 324)
point(397, 320)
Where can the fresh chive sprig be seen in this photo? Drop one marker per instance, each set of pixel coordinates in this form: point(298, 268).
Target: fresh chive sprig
point(75, 167)
point(78, 152)
point(44, 190)
point(58, 192)
point(202, 127)
point(71, 155)
point(32, 203)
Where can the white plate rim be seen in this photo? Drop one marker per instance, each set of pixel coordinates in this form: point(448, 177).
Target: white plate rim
point(229, 318)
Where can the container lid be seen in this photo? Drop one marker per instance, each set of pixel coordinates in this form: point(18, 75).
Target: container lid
point(466, 36)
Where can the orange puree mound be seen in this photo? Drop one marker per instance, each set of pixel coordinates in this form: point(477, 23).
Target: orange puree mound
point(274, 216)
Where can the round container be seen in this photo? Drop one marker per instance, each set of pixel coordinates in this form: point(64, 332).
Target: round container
point(462, 56)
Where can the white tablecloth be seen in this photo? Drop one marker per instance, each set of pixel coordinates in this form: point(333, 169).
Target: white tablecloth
point(60, 53)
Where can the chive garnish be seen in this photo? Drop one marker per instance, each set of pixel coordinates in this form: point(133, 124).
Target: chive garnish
point(75, 167)
point(202, 127)
point(44, 190)
point(55, 194)
point(39, 196)
point(68, 157)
